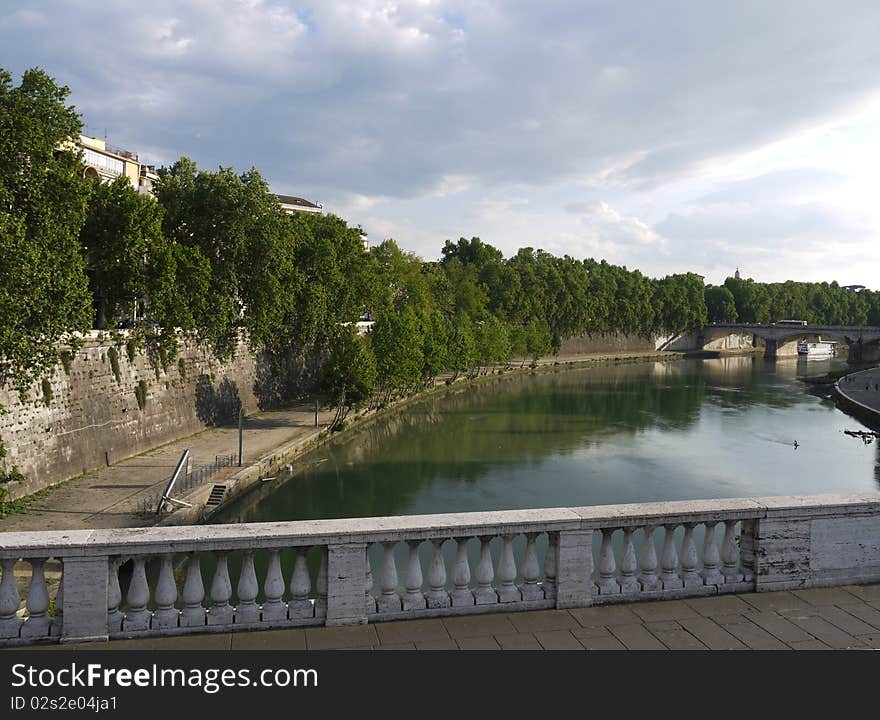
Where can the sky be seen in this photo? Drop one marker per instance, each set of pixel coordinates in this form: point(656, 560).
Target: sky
point(675, 136)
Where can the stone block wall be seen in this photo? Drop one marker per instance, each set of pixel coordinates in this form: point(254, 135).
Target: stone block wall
point(92, 418)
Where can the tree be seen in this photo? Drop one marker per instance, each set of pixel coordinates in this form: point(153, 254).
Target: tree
point(44, 297)
point(127, 258)
point(350, 373)
point(720, 305)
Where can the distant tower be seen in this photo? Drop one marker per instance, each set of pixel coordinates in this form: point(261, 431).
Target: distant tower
point(736, 274)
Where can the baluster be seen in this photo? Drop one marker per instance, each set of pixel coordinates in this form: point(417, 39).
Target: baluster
point(368, 585)
point(321, 589)
point(730, 554)
point(530, 589)
point(507, 589)
point(607, 584)
point(389, 600)
point(437, 596)
point(274, 608)
point(413, 599)
point(551, 561)
point(648, 564)
point(114, 596)
point(485, 594)
point(629, 585)
point(37, 623)
point(10, 600)
point(711, 559)
point(669, 560)
point(747, 550)
point(193, 613)
point(166, 615)
point(247, 590)
point(462, 596)
point(137, 617)
point(300, 587)
point(689, 576)
point(220, 612)
point(58, 619)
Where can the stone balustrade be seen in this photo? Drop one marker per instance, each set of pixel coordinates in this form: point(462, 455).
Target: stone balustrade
point(217, 578)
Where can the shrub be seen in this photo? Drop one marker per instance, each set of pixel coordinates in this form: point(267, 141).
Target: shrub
point(66, 361)
point(114, 362)
point(140, 392)
point(181, 368)
point(130, 350)
point(47, 392)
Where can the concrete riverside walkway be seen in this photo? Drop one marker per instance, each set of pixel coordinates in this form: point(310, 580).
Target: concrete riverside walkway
point(109, 497)
point(815, 619)
point(863, 388)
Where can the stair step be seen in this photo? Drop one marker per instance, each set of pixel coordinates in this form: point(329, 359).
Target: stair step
point(217, 493)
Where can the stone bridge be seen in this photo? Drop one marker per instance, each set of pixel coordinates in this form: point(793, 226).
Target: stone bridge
point(148, 582)
point(776, 339)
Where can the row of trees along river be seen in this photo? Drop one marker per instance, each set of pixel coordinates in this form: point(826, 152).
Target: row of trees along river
point(215, 257)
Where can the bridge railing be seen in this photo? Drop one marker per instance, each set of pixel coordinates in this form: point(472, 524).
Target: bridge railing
point(221, 578)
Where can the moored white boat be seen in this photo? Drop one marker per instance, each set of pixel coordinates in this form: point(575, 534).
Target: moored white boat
point(817, 349)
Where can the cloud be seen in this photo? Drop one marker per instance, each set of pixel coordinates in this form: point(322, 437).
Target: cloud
point(432, 114)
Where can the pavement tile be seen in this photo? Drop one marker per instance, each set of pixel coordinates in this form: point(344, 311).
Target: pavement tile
point(663, 625)
point(591, 632)
point(841, 618)
point(870, 641)
point(866, 613)
point(666, 610)
point(780, 628)
point(486, 642)
point(678, 640)
point(719, 605)
point(712, 635)
point(542, 620)
point(478, 626)
point(518, 641)
point(823, 630)
point(340, 638)
point(604, 616)
point(809, 645)
point(826, 596)
point(636, 637)
point(774, 601)
point(396, 646)
point(447, 644)
point(867, 593)
point(754, 637)
point(558, 640)
point(293, 639)
point(602, 643)
point(411, 631)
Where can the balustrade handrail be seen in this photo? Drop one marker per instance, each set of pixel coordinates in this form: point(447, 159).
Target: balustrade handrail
point(167, 539)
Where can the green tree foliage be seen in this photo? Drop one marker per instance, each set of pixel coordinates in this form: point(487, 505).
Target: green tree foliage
point(44, 295)
point(720, 304)
point(349, 374)
point(131, 266)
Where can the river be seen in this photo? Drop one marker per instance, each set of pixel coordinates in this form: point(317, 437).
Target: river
point(626, 433)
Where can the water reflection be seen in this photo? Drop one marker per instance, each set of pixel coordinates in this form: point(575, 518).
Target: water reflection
point(628, 433)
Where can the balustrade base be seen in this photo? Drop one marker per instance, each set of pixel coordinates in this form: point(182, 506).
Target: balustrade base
point(485, 597)
point(438, 600)
point(532, 592)
point(462, 598)
point(521, 606)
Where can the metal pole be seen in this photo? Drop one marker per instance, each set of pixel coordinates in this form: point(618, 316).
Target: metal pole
point(240, 432)
point(316, 412)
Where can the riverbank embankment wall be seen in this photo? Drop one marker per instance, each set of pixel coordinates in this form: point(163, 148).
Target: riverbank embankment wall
point(105, 404)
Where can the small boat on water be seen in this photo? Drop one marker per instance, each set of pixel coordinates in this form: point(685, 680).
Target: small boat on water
point(821, 348)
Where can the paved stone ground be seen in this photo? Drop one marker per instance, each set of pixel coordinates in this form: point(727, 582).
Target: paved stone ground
point(109, 497)
point(864, 388)
point(817, 619)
